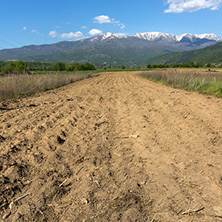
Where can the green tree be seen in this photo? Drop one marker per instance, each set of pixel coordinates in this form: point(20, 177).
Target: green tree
point(70, 67)
point(89, 66)
point(190, 64)
point(20, 67)
point(77, 66)
point(59, 66)
point(209, 65)
point(9, 68)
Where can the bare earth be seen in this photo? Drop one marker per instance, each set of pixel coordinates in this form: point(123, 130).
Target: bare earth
point(112, 148)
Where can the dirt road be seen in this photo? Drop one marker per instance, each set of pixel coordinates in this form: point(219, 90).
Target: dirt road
point(112, 148)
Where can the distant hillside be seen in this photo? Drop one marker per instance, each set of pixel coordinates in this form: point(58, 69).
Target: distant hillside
point(210, 54)
point(111, 49)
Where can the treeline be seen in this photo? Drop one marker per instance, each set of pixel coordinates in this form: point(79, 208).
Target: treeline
point(60, 66)
point(20, 67)
point(183, 65)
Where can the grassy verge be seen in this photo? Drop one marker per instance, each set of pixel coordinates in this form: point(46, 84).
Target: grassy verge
point(92, 71)
point(201, 81)
point(19, 85)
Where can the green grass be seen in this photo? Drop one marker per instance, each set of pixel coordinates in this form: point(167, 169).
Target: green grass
point(14, 86)
point(93, 71)
point(202, 82)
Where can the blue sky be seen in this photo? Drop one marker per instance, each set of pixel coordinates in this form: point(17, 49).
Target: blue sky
point(27, 22)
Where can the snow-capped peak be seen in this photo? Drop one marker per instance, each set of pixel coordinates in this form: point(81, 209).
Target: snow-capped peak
point(155, 36)
point(166, 38)
point(152, 36)
point(192, 37)
point(189, 36)
point(110, 35)
point(210, 36)
point(107, 35)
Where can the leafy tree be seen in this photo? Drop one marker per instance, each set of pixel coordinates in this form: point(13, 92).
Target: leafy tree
point(77, 66)
point(59, 66)
point(123, 67)
point(89, 66)
point(8, 68)
point(82, 67)
point(20, 67)
point(209, 65)
point(190, 64)
point(70, 67)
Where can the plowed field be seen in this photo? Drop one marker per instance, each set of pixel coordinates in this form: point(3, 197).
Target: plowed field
point(116, 147)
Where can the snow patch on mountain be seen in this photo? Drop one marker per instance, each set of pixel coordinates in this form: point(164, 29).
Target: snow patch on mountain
point(110, 35)
point(107, 36)
point(152, 36)
point(210, 36)
point(158, 36)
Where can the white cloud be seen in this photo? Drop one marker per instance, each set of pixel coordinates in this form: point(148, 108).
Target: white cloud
point(53, 34)
point(121, 26)
point(95, 32)
point(72, 35)
point(102, 19)
point(114, 21)
point(34, 31)
point(84, 27)
point(179, 6)
point(106, 19)
point(24, 28)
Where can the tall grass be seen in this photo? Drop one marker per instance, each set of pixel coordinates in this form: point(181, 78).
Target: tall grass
point(17, 85)
point(201, 81)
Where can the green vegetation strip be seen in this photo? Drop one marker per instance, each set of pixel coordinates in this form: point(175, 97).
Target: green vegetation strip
point(13, 86)
point(204, 82)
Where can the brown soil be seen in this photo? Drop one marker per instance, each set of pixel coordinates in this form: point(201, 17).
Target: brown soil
point(113, 148)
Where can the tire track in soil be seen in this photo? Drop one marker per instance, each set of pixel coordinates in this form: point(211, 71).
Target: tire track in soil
point(70, 149)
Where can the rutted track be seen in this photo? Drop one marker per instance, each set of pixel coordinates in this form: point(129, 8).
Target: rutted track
point(70, 149)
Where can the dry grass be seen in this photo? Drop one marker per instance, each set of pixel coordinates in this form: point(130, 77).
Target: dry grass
point(201, 81)
point(17, 85)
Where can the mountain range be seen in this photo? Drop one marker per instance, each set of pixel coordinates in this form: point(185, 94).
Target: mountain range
point(210, 54)
point(112, 49)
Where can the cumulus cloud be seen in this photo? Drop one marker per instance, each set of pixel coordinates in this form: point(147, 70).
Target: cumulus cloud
point(72, 35)
point(102, 19)
point(106, 19)
point(95, 32)
point(179, 6)
point(84, 27)
point(24, 28)
point(53, 34)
